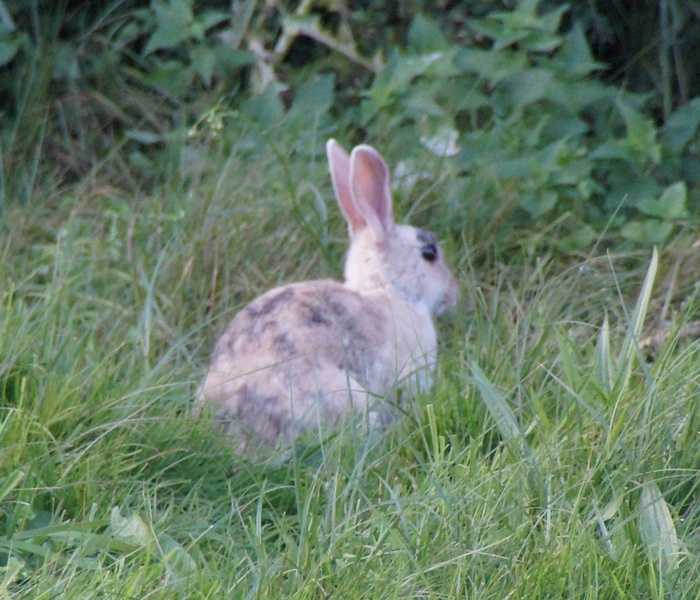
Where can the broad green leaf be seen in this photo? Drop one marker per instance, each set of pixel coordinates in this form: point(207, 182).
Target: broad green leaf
point(174, 20)
point(132, 530)
point(541, 42)
point(555, 155)
point(396, 80)
point(671, 204)
point(7, 23)
point(647, 231)
point(472, 99)
point(681, 127)
point(493, 30)
point(8, 49)
point(422, 104)
point(176, 556)
point(492, 66)
point(232, 59)
point(537, 33)
point(528, 87)
point(613, 149)
point(171, 77)
point(579, 239)
point(211, 18)
point(575, 55)
point(657, 529)
point(628, 186)
point(425, 36)
point(574, 173)
point(551, 22)
point(566, 127)
point(313, 99)
point(514, 168)
point(399, 73)
point(266, 108)
point(641, 132)
point(228, 61)
point(204, 63)
point(538, 203)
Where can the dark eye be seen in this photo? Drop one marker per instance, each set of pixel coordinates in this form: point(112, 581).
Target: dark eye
point(430, 252)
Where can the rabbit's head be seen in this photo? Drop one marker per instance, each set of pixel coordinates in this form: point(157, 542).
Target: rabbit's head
point(383, 255)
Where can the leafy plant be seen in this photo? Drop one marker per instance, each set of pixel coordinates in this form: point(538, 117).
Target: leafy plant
point(529, 124)
point(90, 89)
point(513, 110)
point(182, 46)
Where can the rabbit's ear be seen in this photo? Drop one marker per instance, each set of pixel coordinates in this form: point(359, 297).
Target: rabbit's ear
point(369, 182)
point(339, 165)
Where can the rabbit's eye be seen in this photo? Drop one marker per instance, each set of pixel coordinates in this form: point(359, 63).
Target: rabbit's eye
point(430, 252)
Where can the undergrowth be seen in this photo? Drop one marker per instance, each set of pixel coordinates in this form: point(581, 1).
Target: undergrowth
point(148, 191)
point(556, 457)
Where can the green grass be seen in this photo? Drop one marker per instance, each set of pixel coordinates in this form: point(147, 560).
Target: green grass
point(556, 457)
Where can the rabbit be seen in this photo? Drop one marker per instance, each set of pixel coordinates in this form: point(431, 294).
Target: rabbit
point(302, 355)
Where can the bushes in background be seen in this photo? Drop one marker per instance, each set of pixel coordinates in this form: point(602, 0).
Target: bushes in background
point(509, 103)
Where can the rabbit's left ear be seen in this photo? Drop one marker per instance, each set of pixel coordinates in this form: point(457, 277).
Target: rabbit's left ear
point(371, 189)
point(339, 165)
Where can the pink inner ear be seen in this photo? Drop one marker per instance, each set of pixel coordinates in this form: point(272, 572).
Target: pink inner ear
point(369, 178)
point(339, 165)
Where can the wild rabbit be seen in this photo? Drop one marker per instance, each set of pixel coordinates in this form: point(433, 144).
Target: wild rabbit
point(302, 355)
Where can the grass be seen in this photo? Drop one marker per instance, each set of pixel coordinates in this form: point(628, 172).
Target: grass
point(557, 456)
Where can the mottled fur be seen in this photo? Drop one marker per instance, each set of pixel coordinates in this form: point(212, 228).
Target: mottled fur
point(302, 355)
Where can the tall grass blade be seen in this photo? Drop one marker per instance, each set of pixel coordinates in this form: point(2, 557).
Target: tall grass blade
point(508, 427)
point(150, 308)
point(657, 529)
point(10, 484)
point(439, 443)
point(604, 368)
point(631, 344)
point(496, 404)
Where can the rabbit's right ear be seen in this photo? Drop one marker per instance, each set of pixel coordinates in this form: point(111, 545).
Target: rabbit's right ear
point(371, 189)
point(339, 165)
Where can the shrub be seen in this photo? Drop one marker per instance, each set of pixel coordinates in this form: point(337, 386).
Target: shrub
point(507, 105)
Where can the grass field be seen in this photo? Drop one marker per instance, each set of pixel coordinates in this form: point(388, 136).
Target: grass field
point(557, 457)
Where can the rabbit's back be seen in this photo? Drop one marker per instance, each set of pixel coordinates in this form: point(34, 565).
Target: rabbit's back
point(296, 356)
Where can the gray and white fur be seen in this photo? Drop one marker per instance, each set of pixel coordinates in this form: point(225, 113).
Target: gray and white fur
point(302, 355)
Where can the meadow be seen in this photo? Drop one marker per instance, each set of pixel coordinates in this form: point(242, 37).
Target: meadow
point(556, 457)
